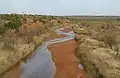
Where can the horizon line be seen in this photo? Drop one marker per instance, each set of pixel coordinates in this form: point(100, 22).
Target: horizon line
point(76, 15)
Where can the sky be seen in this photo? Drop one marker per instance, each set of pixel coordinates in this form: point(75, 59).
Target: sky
point(61, 7)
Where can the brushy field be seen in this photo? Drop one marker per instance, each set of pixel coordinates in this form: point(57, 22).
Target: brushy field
point(98, 40)
point(99, 44)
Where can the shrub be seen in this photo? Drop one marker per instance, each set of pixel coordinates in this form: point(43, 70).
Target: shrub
point(2, 30)
point(107, 34)
point(8, 43)
point(109, 39)
point(14, 22)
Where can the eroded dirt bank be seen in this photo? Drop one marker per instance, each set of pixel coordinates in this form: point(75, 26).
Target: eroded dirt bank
point(10, 66)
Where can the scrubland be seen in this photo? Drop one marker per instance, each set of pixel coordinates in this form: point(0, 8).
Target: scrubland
point(98, 41)
point(21, 34)
point(99, 45)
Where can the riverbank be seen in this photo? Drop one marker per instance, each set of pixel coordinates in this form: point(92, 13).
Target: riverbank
point(60, 47)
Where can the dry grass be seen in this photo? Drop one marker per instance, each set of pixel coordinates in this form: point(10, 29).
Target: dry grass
point(98, 46)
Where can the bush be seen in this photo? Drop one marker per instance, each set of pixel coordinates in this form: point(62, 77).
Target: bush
point(8, 43)
point(107, 34)
point(14, 22)
point(109, 39)
point(2, 30)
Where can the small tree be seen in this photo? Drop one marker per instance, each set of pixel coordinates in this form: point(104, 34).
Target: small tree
point(108, 35)
point(109, 39)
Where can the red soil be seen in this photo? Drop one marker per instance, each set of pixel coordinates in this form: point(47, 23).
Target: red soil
point(65, 60)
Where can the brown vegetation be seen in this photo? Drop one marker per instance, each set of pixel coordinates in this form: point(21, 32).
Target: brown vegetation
point(98, 46)
point(98, 41)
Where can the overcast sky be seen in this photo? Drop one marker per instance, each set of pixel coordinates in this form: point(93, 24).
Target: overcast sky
point(62, 7)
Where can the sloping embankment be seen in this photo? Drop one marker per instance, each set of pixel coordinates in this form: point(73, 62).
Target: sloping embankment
point(22, 51)
point(99, 61)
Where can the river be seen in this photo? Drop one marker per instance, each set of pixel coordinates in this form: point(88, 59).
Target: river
point(41, 65)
